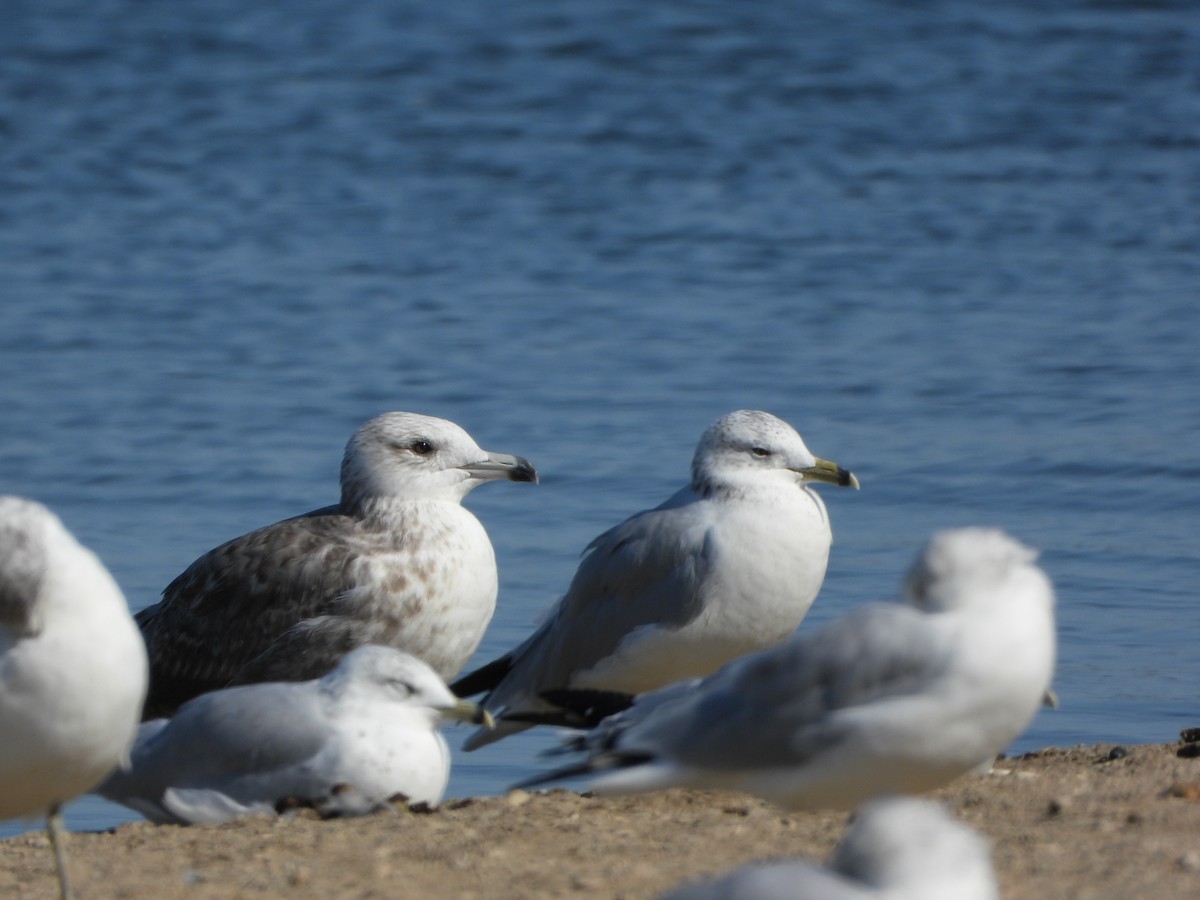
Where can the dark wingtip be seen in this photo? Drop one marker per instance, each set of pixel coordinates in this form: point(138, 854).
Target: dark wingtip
point(485, 678)
point(588, 708)
point(578, 709)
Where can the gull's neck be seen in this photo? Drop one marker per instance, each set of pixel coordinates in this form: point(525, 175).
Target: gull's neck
point(759, 489)
point(388, 506)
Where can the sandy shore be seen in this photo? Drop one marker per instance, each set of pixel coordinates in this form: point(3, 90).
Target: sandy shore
point(1080, 823)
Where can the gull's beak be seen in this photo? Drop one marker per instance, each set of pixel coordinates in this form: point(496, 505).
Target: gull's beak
point(469, 711)
point(1050, 699)
point(499, 466)
point(830, 473)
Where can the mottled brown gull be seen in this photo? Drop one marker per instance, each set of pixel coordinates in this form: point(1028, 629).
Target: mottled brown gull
point(72, 669)
point(397, 562)
point(899, 848)
point(889, 698)
point(366, 731)
point(729, 564)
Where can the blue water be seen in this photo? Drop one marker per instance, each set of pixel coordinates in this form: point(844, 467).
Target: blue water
point(957, 246)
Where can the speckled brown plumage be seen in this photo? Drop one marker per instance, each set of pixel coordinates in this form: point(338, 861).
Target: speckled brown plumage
point(398, 561)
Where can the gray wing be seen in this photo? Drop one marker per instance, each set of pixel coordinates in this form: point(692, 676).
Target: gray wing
point(645, 572)
point(220, 739)
point(231, 603)
point(779, 706)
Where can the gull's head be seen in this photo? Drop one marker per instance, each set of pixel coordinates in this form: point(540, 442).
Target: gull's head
point(749, 448)
point(384, 674)
point(908, 843)
point(965, 567)
point(27, 531)
point(411, 457)
point(45, 574)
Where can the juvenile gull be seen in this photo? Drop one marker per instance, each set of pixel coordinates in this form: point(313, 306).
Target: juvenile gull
point(900, 848)
point(729, 564)
point(397, 562)
point(369, 728)
point(887, 699)
point(72, 669)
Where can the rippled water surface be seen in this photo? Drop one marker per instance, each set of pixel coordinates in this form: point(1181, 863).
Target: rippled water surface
point(958, 247)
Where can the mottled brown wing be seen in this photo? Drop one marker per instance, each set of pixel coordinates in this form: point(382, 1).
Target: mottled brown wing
point(230, 604)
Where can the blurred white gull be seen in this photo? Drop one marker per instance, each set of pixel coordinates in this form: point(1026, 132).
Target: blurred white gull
point(887, 699)
point(360, 735)
point(397, 562)
point(728, 565)
point(72, 669)
point(898, 848)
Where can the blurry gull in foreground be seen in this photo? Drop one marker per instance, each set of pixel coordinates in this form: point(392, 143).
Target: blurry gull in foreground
point(728, 565)
point(899, 848)
point(397, 562)
point(887, 699)
point(362, 734)
point(72, 669)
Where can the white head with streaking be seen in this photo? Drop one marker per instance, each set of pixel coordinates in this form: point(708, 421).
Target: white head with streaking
point(749, 451)
point(410, 456)
point(966, 566)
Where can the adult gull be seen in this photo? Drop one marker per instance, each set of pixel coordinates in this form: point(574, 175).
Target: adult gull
point(889, 698)
point(72, 670)
point(368, 730)
point(398, 561)
point(729, 564)
point(901, 848)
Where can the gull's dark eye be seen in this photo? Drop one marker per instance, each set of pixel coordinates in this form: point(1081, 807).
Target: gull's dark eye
point(421, 447)
point(760, 452)
point(403, 688)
